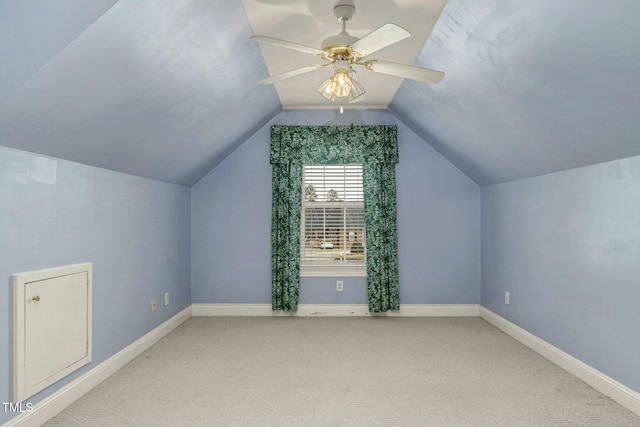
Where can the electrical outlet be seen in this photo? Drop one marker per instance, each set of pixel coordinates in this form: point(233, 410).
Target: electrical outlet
point(153, 304)
point(506, 297)
point(166, 298)
point(339, 286)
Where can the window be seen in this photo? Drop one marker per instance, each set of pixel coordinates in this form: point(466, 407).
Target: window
point(332, 223)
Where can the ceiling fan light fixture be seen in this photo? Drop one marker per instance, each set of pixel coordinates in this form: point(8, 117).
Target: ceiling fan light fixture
point(357, 91)
point(341, 85)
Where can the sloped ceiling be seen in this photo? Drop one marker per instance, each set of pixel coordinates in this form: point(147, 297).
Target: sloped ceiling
point(159, 89)
point(532, 87)
point(166, 90)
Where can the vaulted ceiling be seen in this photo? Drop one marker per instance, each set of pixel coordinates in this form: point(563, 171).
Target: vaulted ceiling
point(166, 90)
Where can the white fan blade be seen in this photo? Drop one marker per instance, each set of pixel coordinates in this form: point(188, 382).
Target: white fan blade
point(406, 71)
point(288, 45)
point(289, 74)
point(384, 36)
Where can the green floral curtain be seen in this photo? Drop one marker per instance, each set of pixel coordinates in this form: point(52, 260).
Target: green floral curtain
point(376, 148)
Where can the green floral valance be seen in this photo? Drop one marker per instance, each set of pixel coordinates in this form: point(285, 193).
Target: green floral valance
point(334, 144)
point(376, 148)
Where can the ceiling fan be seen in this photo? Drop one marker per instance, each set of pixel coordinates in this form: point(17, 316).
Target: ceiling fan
point(343, 52)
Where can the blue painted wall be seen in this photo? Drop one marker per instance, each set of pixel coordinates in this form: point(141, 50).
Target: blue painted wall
point(567, 248)
point(134, 230)
point(438, 224)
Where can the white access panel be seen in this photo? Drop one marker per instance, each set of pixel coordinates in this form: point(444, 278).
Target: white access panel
point(51, 326)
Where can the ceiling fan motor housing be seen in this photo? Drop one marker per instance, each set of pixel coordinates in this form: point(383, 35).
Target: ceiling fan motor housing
point(341, 40)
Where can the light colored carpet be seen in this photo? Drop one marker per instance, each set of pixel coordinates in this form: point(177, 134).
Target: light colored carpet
point(356, 371)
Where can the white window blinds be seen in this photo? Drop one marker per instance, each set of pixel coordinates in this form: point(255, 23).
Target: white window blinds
point(332, 223)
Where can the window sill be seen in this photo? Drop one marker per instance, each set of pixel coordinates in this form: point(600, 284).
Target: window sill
point(333, 271)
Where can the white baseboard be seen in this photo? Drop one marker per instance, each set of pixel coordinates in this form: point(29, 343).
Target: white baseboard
point(622, 394)
point(318, 310)
point(53, 404)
